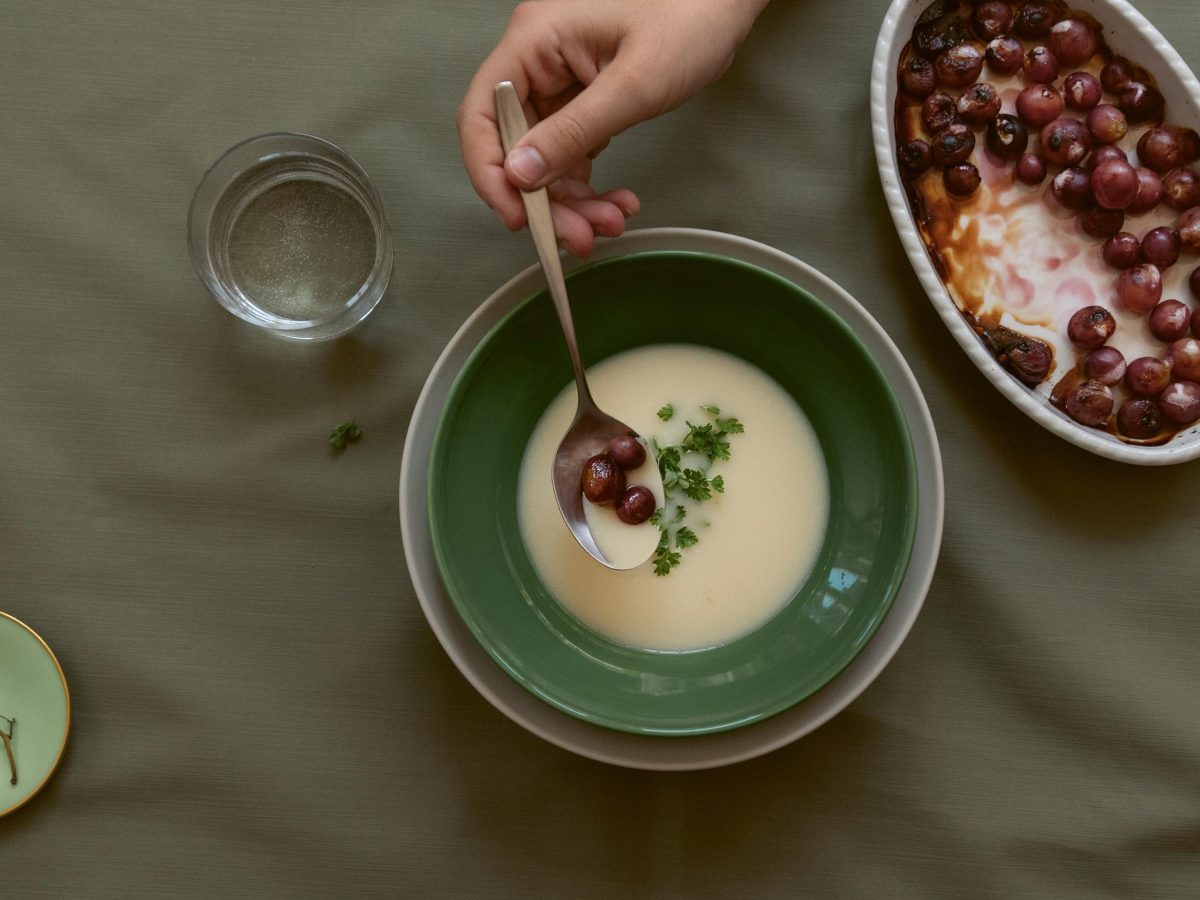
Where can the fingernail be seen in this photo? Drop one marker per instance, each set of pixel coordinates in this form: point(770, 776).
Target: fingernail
point(527, 164)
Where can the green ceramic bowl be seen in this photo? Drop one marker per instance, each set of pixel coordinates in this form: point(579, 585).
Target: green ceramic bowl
point(673, 297)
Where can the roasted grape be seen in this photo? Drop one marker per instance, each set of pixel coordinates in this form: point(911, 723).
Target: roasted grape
point(916, 156)
point(1147, 376)
point(627, 451)
point(1191, 145)
point(961, 180)
point(1114, 184)
point(1090, 403)
point(953, 144)
point(991, 19)
point(1081, 91)
point(1139, 288)
point(1104, 364)
point(1122, 250)
point(938, 29)
point(1141, 102)
point(959, 66)
point(1066, 142)
point(1005, 55)
point(938, 111)
point(1041, 65)
point(1150, 192)
point(1008, 137)
point(1073, 42)
point(636, 505)
point(1040, 104)
point(918, 78)
point(979, 104)
point(1107, 124)
point(1161, 247)
point(1090, 327)
point(1115, 75)
point(1187, 226)
point(1184, 355)
point(1031, 169)
point(602, 479)
point(1072, 188)
point(1182, 187)
point(1103, 154)
point(1035, 18)
point(1180, 402)
point(1030, 359)
point(1100, 222)
point(1169, 321)
point(1166, 147)
point(1139, 417)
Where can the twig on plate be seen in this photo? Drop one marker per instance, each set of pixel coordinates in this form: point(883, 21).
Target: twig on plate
point(7, 738)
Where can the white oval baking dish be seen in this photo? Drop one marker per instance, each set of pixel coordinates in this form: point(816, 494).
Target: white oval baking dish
point(1129, 34)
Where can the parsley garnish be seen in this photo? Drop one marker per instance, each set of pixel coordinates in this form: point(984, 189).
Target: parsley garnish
point(708, 440)
point(665, 559)
point(669, 459)
point(711, 443)
point(695, 484)
point(346, 433)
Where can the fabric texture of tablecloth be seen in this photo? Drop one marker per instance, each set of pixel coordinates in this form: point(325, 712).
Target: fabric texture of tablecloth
point(260, 709)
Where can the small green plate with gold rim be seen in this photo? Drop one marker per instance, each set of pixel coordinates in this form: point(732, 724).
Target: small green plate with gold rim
point(35, 713)
point(658, 298)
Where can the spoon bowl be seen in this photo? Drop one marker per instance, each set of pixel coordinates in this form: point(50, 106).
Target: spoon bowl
point(592, 429)
point(589, 434)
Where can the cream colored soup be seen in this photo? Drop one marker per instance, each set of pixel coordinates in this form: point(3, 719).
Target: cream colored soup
point(757, 541)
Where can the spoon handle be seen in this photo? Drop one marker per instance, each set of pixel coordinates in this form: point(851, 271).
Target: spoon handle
point(541, 226)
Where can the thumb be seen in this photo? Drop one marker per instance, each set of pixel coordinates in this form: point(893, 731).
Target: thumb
point(605, 108)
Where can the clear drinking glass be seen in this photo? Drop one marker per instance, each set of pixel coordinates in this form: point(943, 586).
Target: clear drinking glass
point(288, 232)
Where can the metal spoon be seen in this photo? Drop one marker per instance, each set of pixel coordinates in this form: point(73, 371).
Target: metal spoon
point(592, 429)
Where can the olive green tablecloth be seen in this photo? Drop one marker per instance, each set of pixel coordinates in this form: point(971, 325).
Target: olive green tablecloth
point(259, 706)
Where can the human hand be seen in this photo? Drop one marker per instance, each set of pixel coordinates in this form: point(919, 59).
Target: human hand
point(585, 72)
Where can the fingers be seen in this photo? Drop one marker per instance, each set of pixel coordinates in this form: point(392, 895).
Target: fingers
point(606, 213)
point(602, 216)
point(587, 72)
point(485, 167)
point(573, 230)
point(576, 123)
point(570, 187)
point(479, 137)
point(623, 199)
point(579, 214)
point(605, 219)
point(609, 105)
